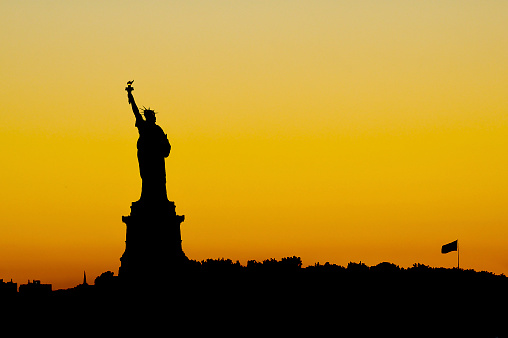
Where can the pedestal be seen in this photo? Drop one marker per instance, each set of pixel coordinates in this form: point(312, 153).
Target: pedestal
point(153, 245)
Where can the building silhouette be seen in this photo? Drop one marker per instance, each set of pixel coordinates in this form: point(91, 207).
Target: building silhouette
point(8, 288)
point(35, 288)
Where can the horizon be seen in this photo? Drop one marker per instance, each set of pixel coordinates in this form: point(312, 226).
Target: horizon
point(353, 265)
point(333, 131)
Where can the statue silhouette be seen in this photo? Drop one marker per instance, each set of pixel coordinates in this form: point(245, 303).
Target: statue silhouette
point(153, 244)
point(153, 147)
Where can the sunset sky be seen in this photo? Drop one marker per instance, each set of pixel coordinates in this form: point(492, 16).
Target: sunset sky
point(331, 130)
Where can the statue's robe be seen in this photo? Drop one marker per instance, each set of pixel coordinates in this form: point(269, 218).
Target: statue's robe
point(153, 148)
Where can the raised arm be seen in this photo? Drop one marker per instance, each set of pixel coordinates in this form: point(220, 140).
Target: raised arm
point(135, 109)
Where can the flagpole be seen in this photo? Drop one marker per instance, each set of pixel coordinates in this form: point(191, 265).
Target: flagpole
point(458, 266)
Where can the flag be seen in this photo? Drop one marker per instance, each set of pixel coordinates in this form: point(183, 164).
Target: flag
point(449, 247)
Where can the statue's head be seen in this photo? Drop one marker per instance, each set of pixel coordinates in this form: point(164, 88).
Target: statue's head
point(149, 115)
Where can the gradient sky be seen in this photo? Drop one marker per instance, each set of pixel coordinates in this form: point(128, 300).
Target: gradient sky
point(331, 130)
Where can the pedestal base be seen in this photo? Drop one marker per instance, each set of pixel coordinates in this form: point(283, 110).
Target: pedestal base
point(153, 245)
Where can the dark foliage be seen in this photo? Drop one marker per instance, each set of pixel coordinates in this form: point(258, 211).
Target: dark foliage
point(283, 297)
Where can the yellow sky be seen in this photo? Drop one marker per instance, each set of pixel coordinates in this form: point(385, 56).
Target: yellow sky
point(332, 130)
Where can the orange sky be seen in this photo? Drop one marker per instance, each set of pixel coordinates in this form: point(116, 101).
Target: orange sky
point(331, 130)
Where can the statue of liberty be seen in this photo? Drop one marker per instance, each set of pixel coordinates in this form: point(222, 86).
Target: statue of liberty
point(153, 241)
point(153, 147)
